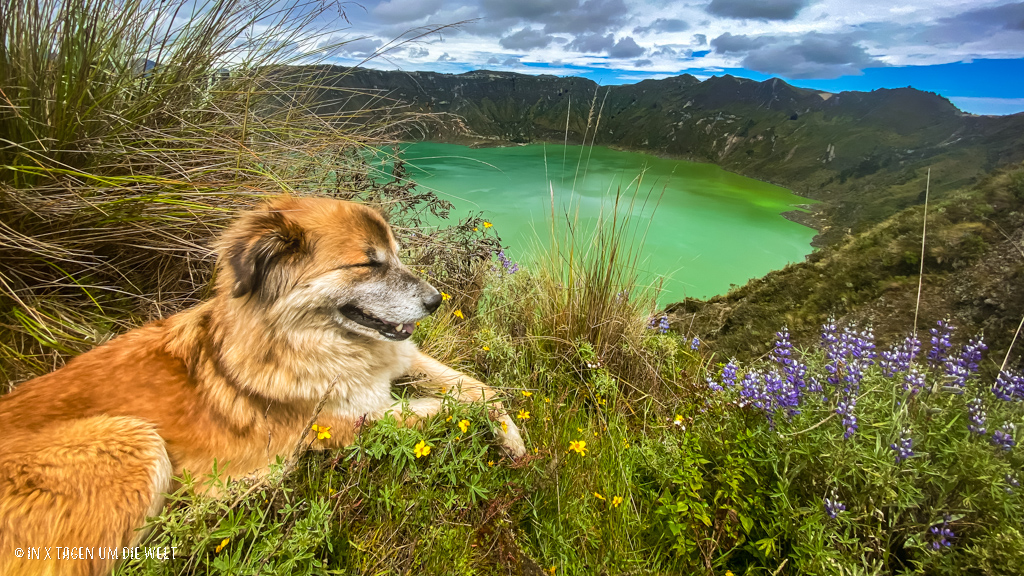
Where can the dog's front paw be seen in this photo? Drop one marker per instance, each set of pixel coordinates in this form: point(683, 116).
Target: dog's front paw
point(508, 434)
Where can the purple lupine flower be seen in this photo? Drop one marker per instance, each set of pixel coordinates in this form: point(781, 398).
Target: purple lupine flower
point(913, 382)
point(659, 323)
point(833, 349)
point(905, 448)
point(751, 390)
point(506, 263)
point(1003, 437)
point(940, 341)
point(1009, 386)
point(849, 353)
point(729, 373)
point(1012, 482)
point(898, 358)
point(782, 354)
point(962, 367)
point(977, 417)
point(833, 506)
point(942, 534)
point(814, 385)
point(713, 385)
point(695, 343)
point(782, 393)
point(846, 407)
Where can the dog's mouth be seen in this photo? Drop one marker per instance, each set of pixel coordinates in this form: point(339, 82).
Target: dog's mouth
point(389, 330)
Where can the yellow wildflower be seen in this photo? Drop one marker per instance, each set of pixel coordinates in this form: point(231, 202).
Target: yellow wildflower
point(523, 415)
point(458, 314)
point(448, 419)
point(221, 546)
point(504, 427)
point(490, 463)
point(547, 399)
point(421, 449)
point(598, 496)
point(527, 393)
point(475, 229)
point(552, 570)
point(487, 224)
point(463, 425)
point(578, 446)
point(445, 296)
point(729, 573)
point(616, 501)
point(678, 420)
point(487, 348)
point(322, 432)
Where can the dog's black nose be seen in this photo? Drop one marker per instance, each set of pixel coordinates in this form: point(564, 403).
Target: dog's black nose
point(432, 302)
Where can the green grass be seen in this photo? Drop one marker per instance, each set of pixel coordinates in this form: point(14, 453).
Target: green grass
point(707, 482)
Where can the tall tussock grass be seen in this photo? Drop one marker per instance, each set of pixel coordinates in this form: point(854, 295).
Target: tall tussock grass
point(586, 303)
point(131, 130)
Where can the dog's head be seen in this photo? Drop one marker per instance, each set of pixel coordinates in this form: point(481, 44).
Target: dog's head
point(321, 263)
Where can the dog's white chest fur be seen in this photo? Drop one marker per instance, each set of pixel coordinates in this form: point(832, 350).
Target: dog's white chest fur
point(365, 374)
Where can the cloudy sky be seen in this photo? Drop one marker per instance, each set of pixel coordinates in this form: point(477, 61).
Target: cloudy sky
point(970, 51)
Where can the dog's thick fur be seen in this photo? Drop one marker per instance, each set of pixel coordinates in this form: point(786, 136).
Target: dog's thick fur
point(311, 303)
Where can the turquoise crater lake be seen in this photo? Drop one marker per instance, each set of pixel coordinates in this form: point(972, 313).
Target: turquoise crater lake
point(709, 229)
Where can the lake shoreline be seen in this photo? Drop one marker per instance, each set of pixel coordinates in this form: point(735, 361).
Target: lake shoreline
point(714, 227)
point(805, 214)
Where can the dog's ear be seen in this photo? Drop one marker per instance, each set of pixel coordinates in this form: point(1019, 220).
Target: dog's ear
point(258, 249)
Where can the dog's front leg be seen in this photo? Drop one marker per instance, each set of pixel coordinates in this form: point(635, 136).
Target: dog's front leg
point(465, 388)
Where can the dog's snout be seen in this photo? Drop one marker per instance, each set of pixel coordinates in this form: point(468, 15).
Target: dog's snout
point(432, 301)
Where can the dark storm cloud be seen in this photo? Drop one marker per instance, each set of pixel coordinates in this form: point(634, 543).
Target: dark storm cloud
point(729, 42)
point(511, 62)
point(360, 48)
point(813, 56)
point(596, 43)
point(663, 25)
point(1008, 16)
point(445, 58)
point(416, 52)
point(533, 10)
point(398, 11)
point(642, 63)
point(975, 25)
point(757, 9)
point(626, 48)
point(597, 16)
point(557, 16)
point(591, 43)
point(664, 51)
point(526, 39)
point(700, 39)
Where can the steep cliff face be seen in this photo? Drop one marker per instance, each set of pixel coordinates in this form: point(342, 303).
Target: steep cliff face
point(864, 154)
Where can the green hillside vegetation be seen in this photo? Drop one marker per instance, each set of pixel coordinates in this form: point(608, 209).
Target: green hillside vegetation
point(647, 453)
point(864, 154)
point(974, 265)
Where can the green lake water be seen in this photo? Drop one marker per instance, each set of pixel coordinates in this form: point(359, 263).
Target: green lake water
point(705, 228)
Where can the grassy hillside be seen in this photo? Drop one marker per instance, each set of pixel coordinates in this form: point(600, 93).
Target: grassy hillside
point(973, 268)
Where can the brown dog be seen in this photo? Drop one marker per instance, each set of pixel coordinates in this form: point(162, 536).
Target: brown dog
point(312, 303)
